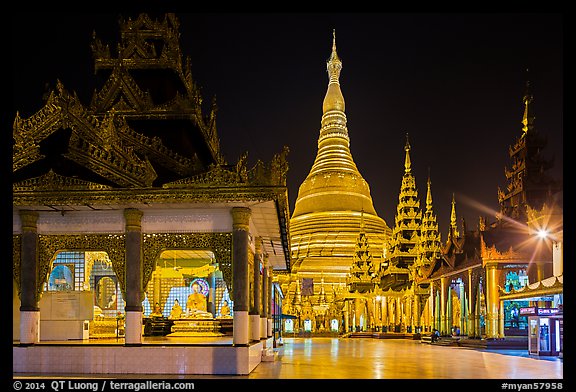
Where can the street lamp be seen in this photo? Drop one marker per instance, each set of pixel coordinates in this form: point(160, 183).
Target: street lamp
point(542, 233)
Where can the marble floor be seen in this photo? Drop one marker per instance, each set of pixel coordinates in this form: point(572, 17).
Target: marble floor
point(385, 359)
point(329, 358)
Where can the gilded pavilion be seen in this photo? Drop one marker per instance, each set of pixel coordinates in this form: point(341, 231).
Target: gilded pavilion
point(122, 206)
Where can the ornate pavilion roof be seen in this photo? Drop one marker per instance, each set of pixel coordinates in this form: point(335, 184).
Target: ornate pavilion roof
point(143, 139)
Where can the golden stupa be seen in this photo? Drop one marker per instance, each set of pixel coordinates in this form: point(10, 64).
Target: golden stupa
point(333, 201)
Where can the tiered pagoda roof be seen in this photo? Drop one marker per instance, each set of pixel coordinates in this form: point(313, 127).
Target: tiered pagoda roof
point(403, 248)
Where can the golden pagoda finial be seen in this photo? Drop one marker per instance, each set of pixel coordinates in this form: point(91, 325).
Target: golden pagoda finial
point(527, 119)
point(453, 213)
point(429, 193)
point(407, 163)
point(333, 40)
point(453, 221)
point(334, 65)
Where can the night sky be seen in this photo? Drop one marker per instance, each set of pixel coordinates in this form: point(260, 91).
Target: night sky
point(453, 82)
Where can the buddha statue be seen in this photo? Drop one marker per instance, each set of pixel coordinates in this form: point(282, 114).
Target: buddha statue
point(176, 311)
point(196, 304)
point(225, 310)
point(157, 311)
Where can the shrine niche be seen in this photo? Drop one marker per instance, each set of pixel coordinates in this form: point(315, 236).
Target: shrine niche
point(186, 294)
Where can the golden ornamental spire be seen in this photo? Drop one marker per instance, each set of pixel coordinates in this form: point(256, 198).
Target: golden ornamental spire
point(527, 119)
point(407, 163)
point(453, 221)
point(334, 65)
point(334, 100)
point(429, 195)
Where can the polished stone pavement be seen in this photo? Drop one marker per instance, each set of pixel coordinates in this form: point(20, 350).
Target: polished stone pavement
point(384, 359)
point(365, 358)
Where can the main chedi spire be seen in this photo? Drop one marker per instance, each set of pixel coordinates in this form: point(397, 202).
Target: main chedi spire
point(333, 199)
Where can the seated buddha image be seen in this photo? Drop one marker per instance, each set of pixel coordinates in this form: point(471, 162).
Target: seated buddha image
point(176, 311)
point(225, 310)
point(157, 311)
point(196, 304)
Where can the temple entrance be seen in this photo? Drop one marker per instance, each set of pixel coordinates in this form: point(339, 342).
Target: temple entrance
point(187, 296)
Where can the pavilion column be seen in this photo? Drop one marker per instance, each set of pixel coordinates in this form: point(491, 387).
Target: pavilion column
point(264, 316)
point(406, 312)
point(492, 301)
point(417, 313)
point(269, 322)
point(501, 319)
point(444, 328)
point(477, 311)
point(29, 309)
point(384, 310)
point(438, 312)
point(463, 310)
point(212, 306)
point(134, 266)
point(255, 308)
point(430, 316)
point(240, 276)
point(157, 279)
point(471, 330)
point(398, 316)
point(391, 314)
point(357, 313)
point(449, 311)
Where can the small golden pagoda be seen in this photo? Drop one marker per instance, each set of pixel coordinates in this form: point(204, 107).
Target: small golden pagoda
point(332, 201)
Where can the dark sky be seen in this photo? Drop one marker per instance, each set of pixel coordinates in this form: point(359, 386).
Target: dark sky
point(454, 82)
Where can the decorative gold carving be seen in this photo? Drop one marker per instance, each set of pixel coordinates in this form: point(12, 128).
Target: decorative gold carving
point(137, 51)
point(262, 174)
point(219, 243)
point(258, 246)
point(134, 50)
point(93, 144)
point(121, 196)
point(27, 133)
point(107, 156)
point(89, 259)
point(241, 218)
point(133, 218)
point(28, 220)
point(121, 92)
point(491, 254)
point(99, 50)
point(153, 147)
point(48, 246)
point(55, 182)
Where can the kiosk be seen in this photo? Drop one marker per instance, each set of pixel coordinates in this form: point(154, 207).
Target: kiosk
point(545, 330)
